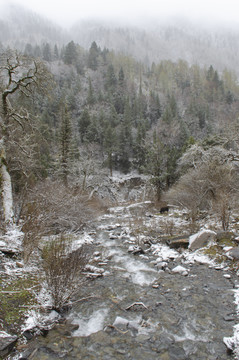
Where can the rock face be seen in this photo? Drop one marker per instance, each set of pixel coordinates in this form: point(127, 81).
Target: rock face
point(7, 343)
point(201, 239)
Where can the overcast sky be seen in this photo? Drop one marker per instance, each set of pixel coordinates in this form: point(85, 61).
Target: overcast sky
point(66, 12)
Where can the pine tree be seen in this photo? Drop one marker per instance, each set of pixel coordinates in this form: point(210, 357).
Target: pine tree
point(46, 52)
point(90, 95)
point(110, 79)
point(84, 123)
point(65, 141)
point(109, 145)
point(56, 52)
point(93, 56)
point(70, 55)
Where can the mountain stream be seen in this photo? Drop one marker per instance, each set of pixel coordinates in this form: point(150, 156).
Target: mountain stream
point(138, 310)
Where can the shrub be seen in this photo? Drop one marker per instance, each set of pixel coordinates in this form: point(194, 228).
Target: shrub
point(52, 208)
point(62, 268)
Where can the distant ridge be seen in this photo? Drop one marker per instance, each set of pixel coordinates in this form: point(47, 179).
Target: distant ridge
point(160, 40)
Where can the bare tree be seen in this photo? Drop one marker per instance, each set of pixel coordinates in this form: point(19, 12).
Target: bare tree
point(19, 75)
point(210, 183)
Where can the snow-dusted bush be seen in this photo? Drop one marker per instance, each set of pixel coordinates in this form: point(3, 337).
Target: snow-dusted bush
point(52, 208)
point(62, 268)
point(57, 207)
point(210, 183)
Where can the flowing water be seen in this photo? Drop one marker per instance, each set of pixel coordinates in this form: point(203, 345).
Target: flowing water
point(138, 312)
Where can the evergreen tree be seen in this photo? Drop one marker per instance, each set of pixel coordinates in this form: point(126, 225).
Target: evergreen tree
point(46, 52)
point(109, 145)
point(84, 123)
point(65, 141)
point(121, 78)
point(154, 164)
point(70, 55)
point(114, 120)
point(110, 79)
point(90, 96)
point(56, 52)
point(123, 150)
point(93, 133)
point(154, 110)
point(28, 50)
point(37, 51)
point(139, 147)
point(93, 56)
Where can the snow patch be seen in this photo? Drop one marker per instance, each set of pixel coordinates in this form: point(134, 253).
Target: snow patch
point(164, 252)
point(3, 334)
point(90, 325)
point(84, 239)
point(197, 256)
point(36, 319)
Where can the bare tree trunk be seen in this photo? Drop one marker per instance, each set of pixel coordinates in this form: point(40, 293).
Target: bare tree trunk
point(6, 188)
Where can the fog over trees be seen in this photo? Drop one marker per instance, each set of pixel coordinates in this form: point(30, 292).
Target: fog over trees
point(116, 99)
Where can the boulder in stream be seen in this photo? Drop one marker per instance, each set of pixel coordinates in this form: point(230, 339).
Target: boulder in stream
point(180, 270)
point(201, 239)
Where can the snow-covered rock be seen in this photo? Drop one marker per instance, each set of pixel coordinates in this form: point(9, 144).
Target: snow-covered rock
point(201, 239)
point(180, 270)
point(163, 252)
point(120, 321)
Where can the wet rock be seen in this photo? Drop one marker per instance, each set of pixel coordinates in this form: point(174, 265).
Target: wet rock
point(161, 265)
point(201, 239)
point(180, 270)
point(135, 249)
point(141, 338)
point(177, 353)
point(179, 242)
point(28, 334)
point(133, 325)
point(7, 343)
point(8, 251)
point(230, 343)
point(121, 322)
point(28, 354)
point(229, 317)
point(227, 276)
point(233, 253)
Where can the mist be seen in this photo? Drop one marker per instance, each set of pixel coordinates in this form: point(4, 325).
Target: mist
point(134, 13)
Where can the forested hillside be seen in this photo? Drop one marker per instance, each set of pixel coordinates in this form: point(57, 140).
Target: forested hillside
point(105, 110)
point(96, 110)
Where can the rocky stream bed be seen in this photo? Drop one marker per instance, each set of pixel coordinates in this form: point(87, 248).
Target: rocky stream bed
point(143, 306)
